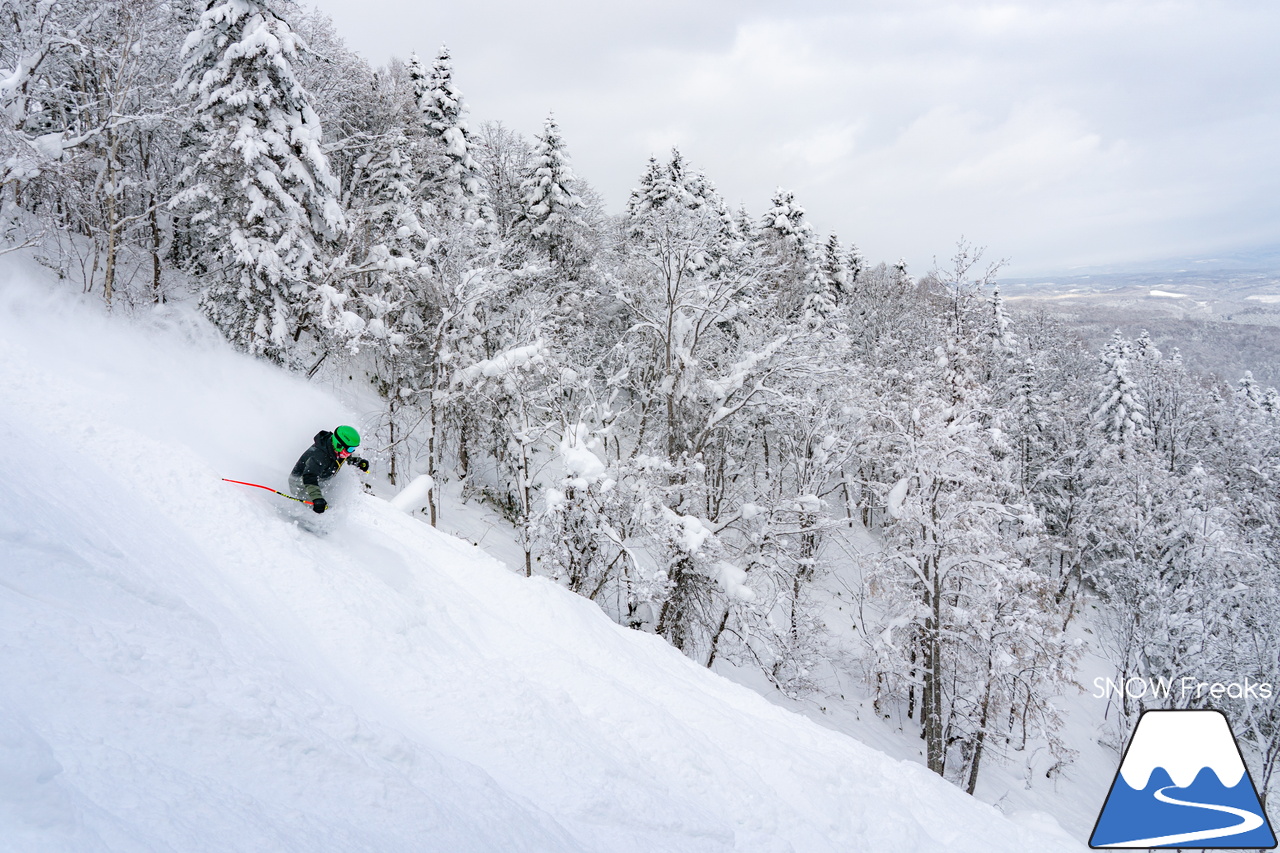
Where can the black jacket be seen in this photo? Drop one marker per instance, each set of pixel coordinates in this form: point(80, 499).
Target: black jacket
point(317, 466)
point(319, 463)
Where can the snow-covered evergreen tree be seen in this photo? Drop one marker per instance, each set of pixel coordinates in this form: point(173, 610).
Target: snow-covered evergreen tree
point(854, 263)
point(830, 285)
point(1271, 402)
point(258, 182)
point(786, 222)
point(1248, 392)
point(1119, 411)
point(1003, 342)
point(453, 175)
point(552, 208)
point(1145, 349)
point(788, 244)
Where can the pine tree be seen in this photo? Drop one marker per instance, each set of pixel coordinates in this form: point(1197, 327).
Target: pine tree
point(855, 264)
point(1248, 392)
point(1119, 411)
point(1145, 349)
point(830, 284)
point(1003, 342)
point(551, 204)
point(439, 100)
point(1271, 402)
point(457, 182)
point(647, 196)
point(788, 245)
point(663, 186)
point(260, 183)
point(786, 221)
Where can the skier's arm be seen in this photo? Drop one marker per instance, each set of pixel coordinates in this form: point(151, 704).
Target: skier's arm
point(362, 464)
point(311, 483)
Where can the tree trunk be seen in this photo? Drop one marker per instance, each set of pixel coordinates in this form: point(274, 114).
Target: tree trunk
point(153, 218)
point(526, 508)
point(981, 738)
point(715, 640)
point(391, 475)
point(431, 459)
point(935, 746)
point(113, 219)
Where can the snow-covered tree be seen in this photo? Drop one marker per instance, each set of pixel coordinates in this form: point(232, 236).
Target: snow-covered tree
point(971, 640)
point(884, 312)
point(1170, 563)
point(85, 130)
point(258, 183)
point(1119, 412)
point(1248, 392)
point(854, 264)
point(577, 531)
point(552, 208)
point(830, 285)
point(693, 365)
point(786, 222)
point(1176, 406)
point(506, 159)
point(789, 246)
point(1271, 402)
point(464, 323)
point(515, 393)
point(1003, 342)
point(453, 176)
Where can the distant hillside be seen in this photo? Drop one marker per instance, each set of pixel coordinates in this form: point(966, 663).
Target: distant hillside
point(1224, 321)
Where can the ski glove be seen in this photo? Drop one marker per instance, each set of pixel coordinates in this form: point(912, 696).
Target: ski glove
point(362, 464)
point(318, 505)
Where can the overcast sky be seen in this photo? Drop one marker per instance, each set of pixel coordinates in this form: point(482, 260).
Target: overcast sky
point(1057, 134)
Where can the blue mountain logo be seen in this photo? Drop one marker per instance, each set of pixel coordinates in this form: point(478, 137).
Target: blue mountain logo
point(1183, 783)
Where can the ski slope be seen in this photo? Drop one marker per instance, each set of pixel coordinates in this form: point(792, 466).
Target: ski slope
point(183, 669)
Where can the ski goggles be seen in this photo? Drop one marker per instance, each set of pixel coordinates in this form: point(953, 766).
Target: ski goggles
point(345, 452)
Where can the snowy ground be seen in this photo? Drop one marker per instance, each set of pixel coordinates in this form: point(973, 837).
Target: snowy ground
point(1015, 781)
point(182, 668)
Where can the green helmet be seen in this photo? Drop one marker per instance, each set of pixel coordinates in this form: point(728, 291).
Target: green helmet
point(345, 438)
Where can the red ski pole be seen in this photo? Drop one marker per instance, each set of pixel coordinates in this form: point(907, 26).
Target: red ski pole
point(268, 488)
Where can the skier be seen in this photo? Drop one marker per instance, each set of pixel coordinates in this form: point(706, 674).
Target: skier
point(321, 461)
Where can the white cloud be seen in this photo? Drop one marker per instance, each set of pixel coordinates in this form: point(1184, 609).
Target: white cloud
point(822, 147)
point(1056, 131)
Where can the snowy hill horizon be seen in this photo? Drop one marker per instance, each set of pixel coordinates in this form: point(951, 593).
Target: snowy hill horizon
point(185, 669)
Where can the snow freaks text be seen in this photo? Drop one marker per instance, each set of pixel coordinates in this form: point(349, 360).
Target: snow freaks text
point(1185, 688)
